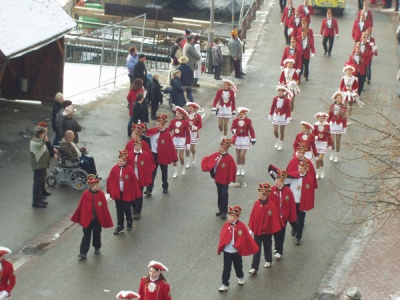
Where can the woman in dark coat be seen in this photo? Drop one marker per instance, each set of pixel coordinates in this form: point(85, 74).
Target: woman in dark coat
point(177, 96)
point(154, 95)
point(140, 113)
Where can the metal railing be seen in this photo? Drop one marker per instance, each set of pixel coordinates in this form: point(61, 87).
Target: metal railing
point(250, 16)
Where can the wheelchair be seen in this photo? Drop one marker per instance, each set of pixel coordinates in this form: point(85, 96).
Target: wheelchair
point(68, 172)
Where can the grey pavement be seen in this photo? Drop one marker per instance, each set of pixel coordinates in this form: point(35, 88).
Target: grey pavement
point(180, 228)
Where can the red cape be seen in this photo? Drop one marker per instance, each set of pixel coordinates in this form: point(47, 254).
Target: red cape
point(83, 213)
point(293, 165)
point(132, 189)
point(265, 218)
point(226, 169)
point(166, 153)
point(288, 205)
point(145, 165)
point(145, 147)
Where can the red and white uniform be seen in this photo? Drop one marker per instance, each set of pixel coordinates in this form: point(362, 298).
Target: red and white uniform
point(361, 60)
point(265, 218)
point(303, 188)
point(294, 25)
point(323, 138)
point(224, 102)
point(288, 12)
point(309, 139)
point(358, 28)
point(7, 277)
point(122, 184)
point(306, 11)
point(196, 124)
point(299, 32)
point(154, 290)
point(287, 76)
point(284, 201)
point(143, 166)
point(349, 88)
point(243, 133)
point(337, 118)
point(293, 167)
point(131, 145)
point(307, 46)
point(180, 133)
point(329, 27)
point(162, 145)
point(280, 111)
point(296, 52)
point(223, 166)
point(367, 16)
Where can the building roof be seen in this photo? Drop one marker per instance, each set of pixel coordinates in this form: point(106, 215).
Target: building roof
point(30, 24)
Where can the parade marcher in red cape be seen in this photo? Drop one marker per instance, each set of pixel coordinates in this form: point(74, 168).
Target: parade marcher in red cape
point(224, 106)
point(306, 11)
point(143, 166)
point(294, 23)
point(180, 137)
point(306, 44)
point(196, 124)
point(7, 276)
point(323, 141)
point(126, 295)
point(329, 28)
point(124, 188)
point(264, 221)
point(137, 134)
point(243, 135)
point(154, 286)
point(222, 168)
point(349, 87)
point(283, 198)
point(338, 123)
point(299, 156)
point(235, 241)
point(302, 184)
point(307, 137)
point(289, 78)
point(280, 114)
point(163, 150)
point(92, 214)
point(288, 12)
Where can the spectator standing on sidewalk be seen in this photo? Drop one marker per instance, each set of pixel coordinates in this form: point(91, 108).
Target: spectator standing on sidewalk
point(235, 49)
point(177, 93)
point(217, 59)
point(70, 123)
point(131, 60)
point(57, 106)
point(135, 89)
point(140, 70)
point(176, 53)
point(197, 72)
point(140, 113)
point(190, 52)
point(7, 276)
point(92, 214)
point(186, 77)
point(154, 95)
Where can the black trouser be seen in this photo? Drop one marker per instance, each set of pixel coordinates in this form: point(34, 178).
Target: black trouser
point(325, 40)
point(88, 164)
point(164, 174)
point(154, 108)
point(304, 66)
point(287, 37)
point(368, 71)
point(123, 208)
point(217, 71)
point(279, 239)
point(131, 78)
point(361, 82)
point(138, 203)
point(298, 225)
point(87, 236)
point(282, 4)
point(39, 181)
point(237, 261)
point(223, 196)
point(236, 66)
point(266, 241)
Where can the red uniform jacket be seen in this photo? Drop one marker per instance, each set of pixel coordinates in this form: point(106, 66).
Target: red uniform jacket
point(294, 24)
point(145, 166)
point(310, 34)
point(308, 188)
point(7, 277)
point(284, 201)
point(243, 127)
point(360, 62)
point(293, 167)
point(357, 31)
point(225, 172)
point(305, 138)
point(132, 98)
point(161, 290)
point(337, 114)
point(219, 101)
point(327, 30)
point(367, 48)
point(368, 16)
point(195, 122)
point(306, 12)
point(283, 109)
point(145, 146)
point(131, 190)
point(309, 47)
point(322, 132)
point(296, 53)
point(265, 218)
point(286, 15)
point(244, 242)
point(166, 153)
point(84, 212)
point(287, 76)
point(180, 129)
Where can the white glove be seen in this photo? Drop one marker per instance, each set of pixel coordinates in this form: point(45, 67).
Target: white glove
point(269, 118)
point(374, 48)
point(312, 54)
point(194, 128)
point(188, 147)
point(251, 232)
point(337, 36)
point(298, 71)
point(4, 295)
point(281, 23)
point(344, 130)
point(214, 111)
point(288, 121)
point(281, 68)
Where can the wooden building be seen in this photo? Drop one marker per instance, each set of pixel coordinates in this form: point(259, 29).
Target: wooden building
point(32, 49)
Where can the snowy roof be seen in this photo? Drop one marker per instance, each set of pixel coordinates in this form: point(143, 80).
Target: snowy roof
point(31, 24)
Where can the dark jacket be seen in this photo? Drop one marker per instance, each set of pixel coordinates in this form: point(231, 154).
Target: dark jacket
point(69, 151)
point(140, 71)
point(57, 106)
point(154, 94)
point(71, 124)
point(140, 112)
point(177, 96)
point(187, 75)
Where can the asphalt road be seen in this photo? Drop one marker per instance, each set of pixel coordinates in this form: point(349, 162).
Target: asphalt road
point(180, 229)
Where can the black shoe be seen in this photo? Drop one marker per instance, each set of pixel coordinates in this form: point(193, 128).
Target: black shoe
point(44, 202)
point(118, 230)
point(46, 193)
point(239, 77)
point(154, 118)
point(329, 54)
point(243, 74)
point(165, 191)
point(44, 197)
point(218, 214)
point(82, 255)
point(298, 242)
point(219, 78)
point(137, 216)
point(39, 205)
point(293, 232)
point(223, 216)
point(325, 53)
point(369, 81)
point(97, 251)
point(147, 192)
point(306, 78)
point(129, 227)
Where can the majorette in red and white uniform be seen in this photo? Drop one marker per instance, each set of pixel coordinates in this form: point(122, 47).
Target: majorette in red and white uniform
point(195, 122)
point(180, 129)
point(280, 113)
point(156, 288)
point(308, 138)
point(289, 77)
point(349, 84)
point(242, 129)
point(224, 102)
point(322, 133)
point(338, 114)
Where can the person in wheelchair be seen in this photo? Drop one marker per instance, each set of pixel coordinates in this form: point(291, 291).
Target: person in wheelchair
point(69, 150)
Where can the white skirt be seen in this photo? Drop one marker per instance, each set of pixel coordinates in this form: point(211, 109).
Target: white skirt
point(224, 112)
point(179, 142)
point(309, 155)
point(321, 146)
point(336, 128)
point(194, 138)
point(242, 142)
point(279, 119)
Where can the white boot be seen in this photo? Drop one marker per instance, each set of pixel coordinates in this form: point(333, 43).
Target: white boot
point(279, 146)
point(242, 172)
point(183, 170)
point(336, 159)
point(318, 172)
point(322, 172)
point(222, 135)
point(188, 162)
point(238, 170)
point(175, 172)
point(194, 159)
point(276, 143)
point(332, 155)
